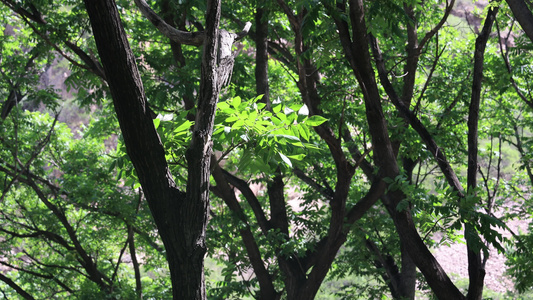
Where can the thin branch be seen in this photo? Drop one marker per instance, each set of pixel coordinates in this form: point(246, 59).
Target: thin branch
point(40, 275)
point(430, 76)
point(179, 36)
point(86, 260)
point(49, 235)
point(133, 254)
point(432, 32)
point(326, 192)
point(53, 45)
point(119, 260)
point(360, 159)
point(455, 100)
point(437, 152)
point(505, 57)
point(35, 16)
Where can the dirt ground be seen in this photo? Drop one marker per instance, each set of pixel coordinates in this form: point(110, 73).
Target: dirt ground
point(454, 261)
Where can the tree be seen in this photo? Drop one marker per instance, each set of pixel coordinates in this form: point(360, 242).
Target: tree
point(181, 217)
point(376, 180)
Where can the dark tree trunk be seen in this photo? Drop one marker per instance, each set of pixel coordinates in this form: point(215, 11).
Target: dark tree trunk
point(181, 218)
point(261, 55)
point(476, 269)
point(357, 54)
point(407, 276)
point(523, 15)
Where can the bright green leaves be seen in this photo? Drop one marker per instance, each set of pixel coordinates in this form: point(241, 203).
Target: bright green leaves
point(266, 138)
point(315, 120)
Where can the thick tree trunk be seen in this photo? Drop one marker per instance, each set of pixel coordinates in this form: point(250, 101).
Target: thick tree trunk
point(181, 218)
point(407, 276)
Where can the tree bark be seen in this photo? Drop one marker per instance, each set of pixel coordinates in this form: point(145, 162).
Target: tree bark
point(357, 54)
point(261, 56)
point(181, 218)
point(523, 15)
point(476, 269)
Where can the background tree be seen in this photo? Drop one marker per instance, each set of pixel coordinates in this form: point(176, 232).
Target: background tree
point(342, 186)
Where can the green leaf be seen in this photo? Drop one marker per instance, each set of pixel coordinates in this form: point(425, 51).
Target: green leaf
point(183, 126)
point(297, 156)
point(237, 124)
point(286, 136)
point(304, 132)
point(285, 159)
point(260, 106)
point(156, 123)
point(315, 120)
point(236, 101)
point(223, 105)
point(231, 119)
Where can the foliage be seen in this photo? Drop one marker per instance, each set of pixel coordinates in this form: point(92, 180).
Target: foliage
point(296, 160)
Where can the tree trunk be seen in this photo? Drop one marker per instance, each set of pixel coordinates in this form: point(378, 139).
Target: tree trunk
point(261, 56)
point(523, 15)
point(181, 218)
point(407, 276)
point(476, 269)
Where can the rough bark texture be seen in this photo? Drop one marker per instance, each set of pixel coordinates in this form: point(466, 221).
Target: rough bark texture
point(181, 218)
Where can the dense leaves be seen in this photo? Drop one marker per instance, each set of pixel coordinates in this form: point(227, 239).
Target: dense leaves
point(338, 180)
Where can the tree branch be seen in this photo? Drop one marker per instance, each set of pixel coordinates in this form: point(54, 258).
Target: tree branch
point(244, 188)
point(505, 58)
point(16, 287)
point(476, 270)
point(224, 191)
point(179, 36)
point(523, 15)
point(437, 152)
point(324, 191)
point(434, 30)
